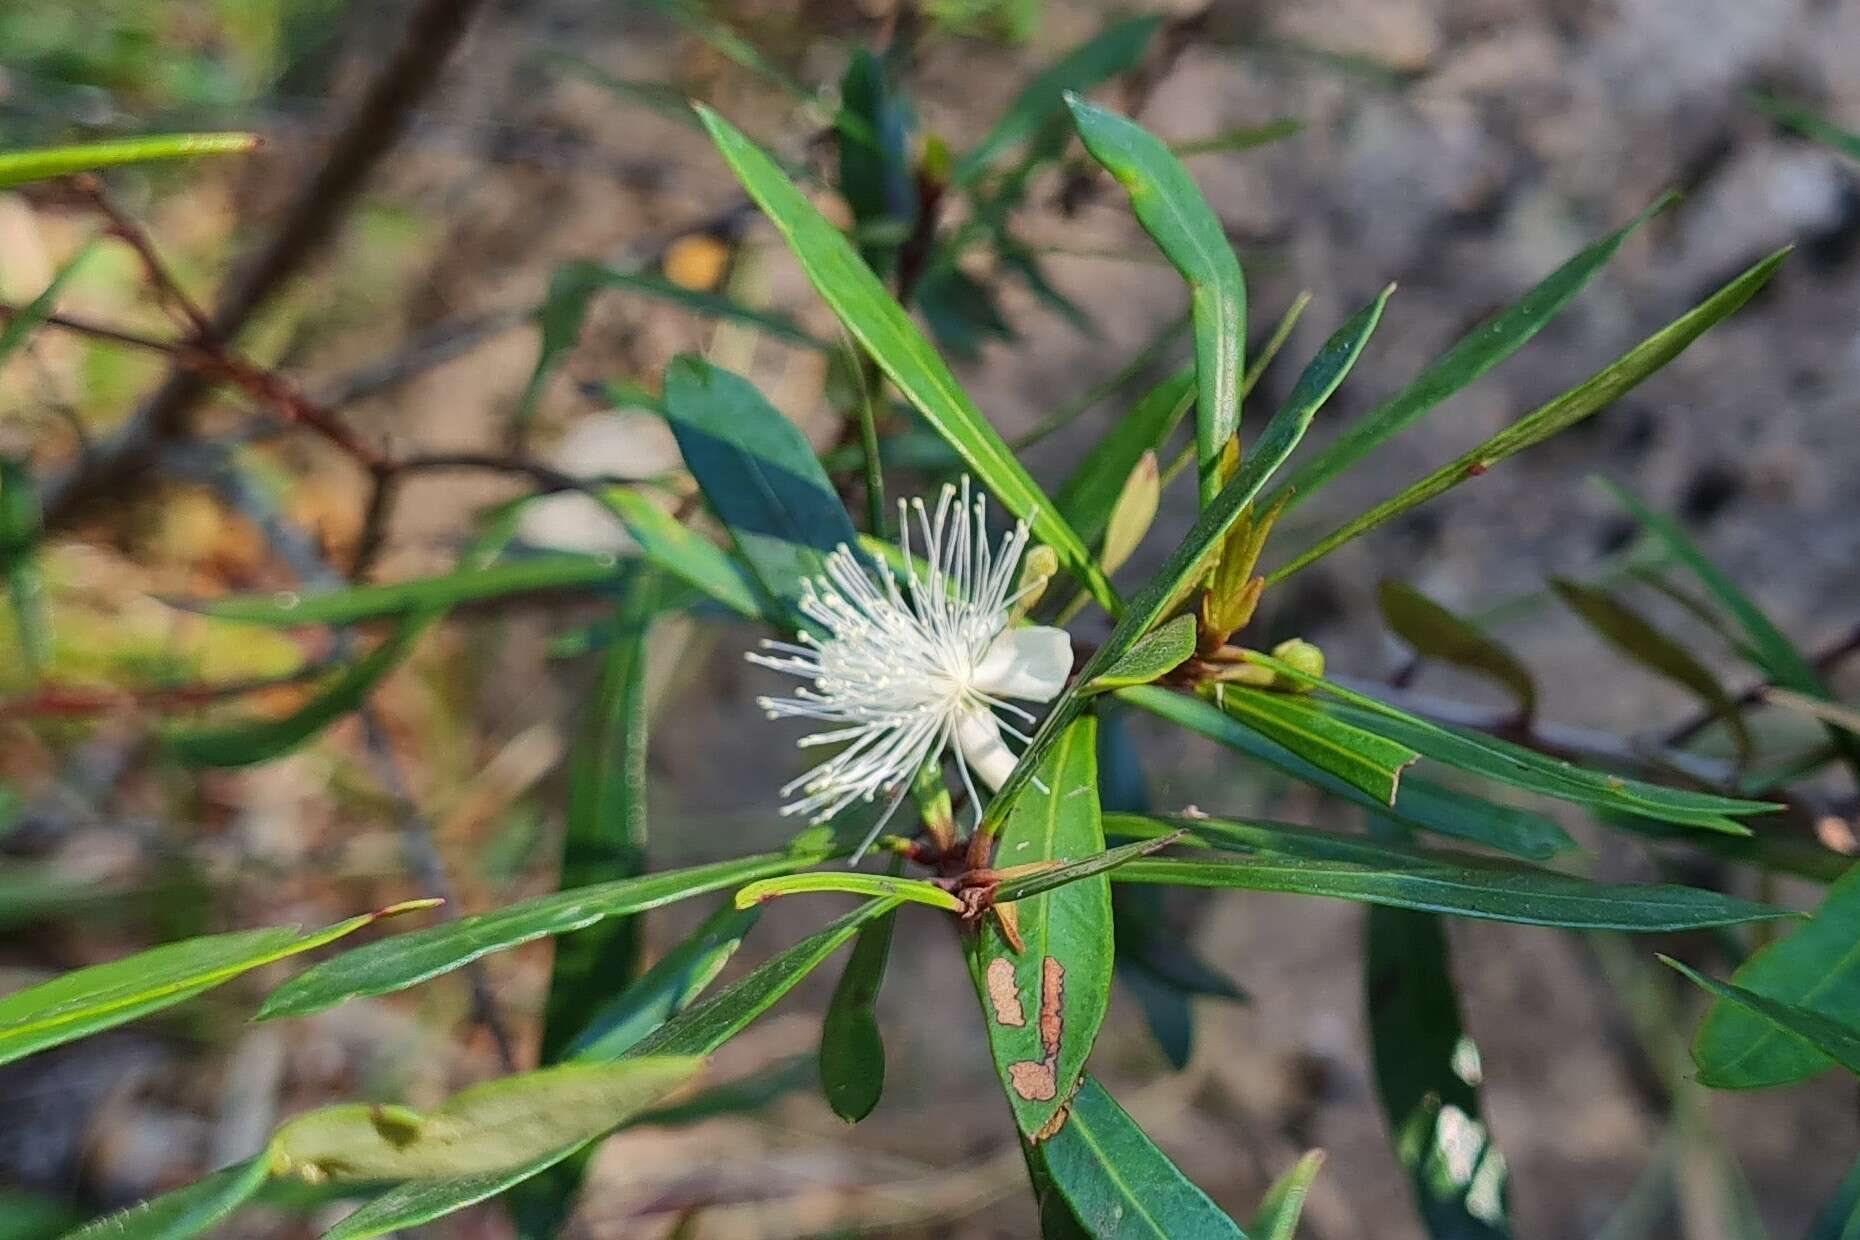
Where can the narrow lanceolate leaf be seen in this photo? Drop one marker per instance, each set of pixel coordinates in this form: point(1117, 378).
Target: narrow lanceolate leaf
point(103, 996)
point(1846, 141)
point(1086, 497)
point(1156, 654)
point(1355, 755)
point(1044, 878)
point(1817, 967)
point(20, 167)
point(1419, 803)
point(261, 740)
point(486, 1129)
point(697, 1031)
point(1436, 633)
point(1132, 514)
point(1042, 1006)
point(1282, 839)
point(882, 328)
point(1524, 768)
point(692, 559)
point(1598, 391)
point(1284, 1203)
point(1172, 210)
point(1836, 1040)
point(1764, 643)
point(1113, 50)
point(1635, 637)
point(353, 604)
point(667, 988)
point(1470, 357)
point(1528, 897)
point(409, 959)
point(1428, 1076)
point(882, 886)
point(252, 741)
point(194, 1210)
point(1188, 563)
point(1119, 1185)
point(605, 839)
point(21, 323)
point(20, 529)
point(759, 475)
point(852, 1050)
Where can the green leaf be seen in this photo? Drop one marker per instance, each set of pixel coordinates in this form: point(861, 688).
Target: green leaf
point(260, 740)
point(1767, 646)
point(189, 1211)
point(1360, 758)
point(1187, 563)
point(1155, 654)
point(702, 1029)
point(1436, 633)
point(880, 325)
point(605, 839)
point(1837, 1041)
point(1524, 768)
point(1630, 633)
point(486, 1129)
point(852, 1050)
point(1596, 392)
point(1087, 495)
point(875, 177)
point(1428, 1075)
point(698, 1030)
point(691, 558)
point(759, 475)
point(882, 886)
point(1528, 897)
point(21, 526)
point(1419, 803)
point(1284, 1203)
point(1042, 1006)
point(19, 325)
point(1050, 878)
point(1244, 138)
point(103, 996)
point(667, 988)
point(352, 604)
point(407, 960)
point(1816, 967)
point(19, 167)
point(252, 741)
point(1484, 347)
point(1113, 50)
point(1171, 209)
point(1119, 1185)
point(1846, 141)
point(1280, 839)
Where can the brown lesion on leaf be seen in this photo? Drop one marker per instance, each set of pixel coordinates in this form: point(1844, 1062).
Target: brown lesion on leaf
point(1038, 1080)
point(1004, 995)
point(1054, 1124)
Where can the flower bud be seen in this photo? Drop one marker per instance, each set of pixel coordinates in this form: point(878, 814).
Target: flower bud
point(1302, 656)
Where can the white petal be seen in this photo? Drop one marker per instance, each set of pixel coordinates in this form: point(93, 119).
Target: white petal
point(1029, 663)
point(978, 737)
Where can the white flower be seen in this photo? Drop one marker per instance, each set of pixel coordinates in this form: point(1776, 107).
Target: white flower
point(911, 669)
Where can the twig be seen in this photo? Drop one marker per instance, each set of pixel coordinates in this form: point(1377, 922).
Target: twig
point(433, 347)
point(168, 290)
point(105, 474)
point(1825, 661)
